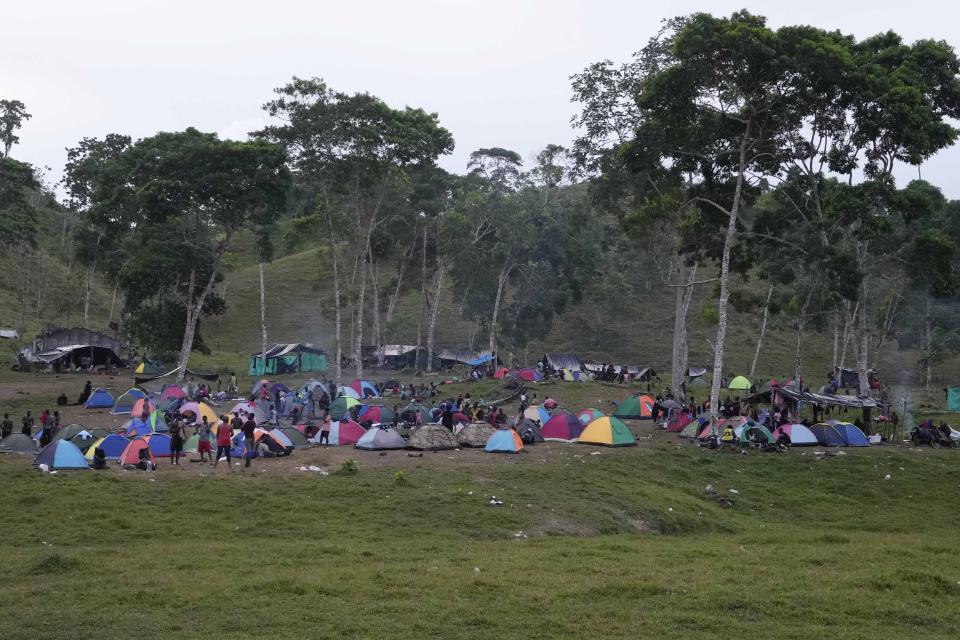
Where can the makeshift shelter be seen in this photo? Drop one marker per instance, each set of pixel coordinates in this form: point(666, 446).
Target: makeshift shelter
point(365, 389)
point(953, 399)
point(799, 435)
point(432, 437)
point(636, 408)
point(828, 435)
point(395, 356)
point(852, 436)
point(504, 441)
point(73, 357)
point(451, 357)
point(61, 454)
point(586, 416)
point(341, 407)
point(198, 410)
point(611, 432)
point(562, 427)
point(124, 403)
point(18, 443)
point(112, 445)
point(537, 414)
point(131, 455)
point(475, 434)
point(380, 439)
point(739, 383)
point(557, 362)
point(377, 414)
point(99, 399)
point(288, 358)
point(529, 432)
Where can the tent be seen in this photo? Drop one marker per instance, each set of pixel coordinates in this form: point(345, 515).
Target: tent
point(500, 373)
point(287, 358)
point(377, 414)
point(249, 406)
point(159, 444)
point(800, 435)
point(99, 399)
point(18, 443)
point(192, 445)
point(536, 413)
point(198, 410)
point(636, 408)
point(112, 445)
point(297, 439)
point(416, 412)
point(341, 407)
point(379, 439)
point(586, 416)
point(504, 441)
point(61, 454)
point(852, 436)
point(739, 384)
point(131, 455)
point(758, 432)
point(562, 427)
point(432, 437)
point(692, 429)
point(343, 433)
point(529, 431)
point(277, 444)
point(827, 435)
point(529, 375)
point(172, 391)
point(734, 421)
point(142, 405)
point(475, 434)
point(611, 432)
point(348, 392)
point(953, 399)
point(136, 427)
point(124, 403)
point(86, 438)
point(697, 383)
point(365, 389)
point(69, 431)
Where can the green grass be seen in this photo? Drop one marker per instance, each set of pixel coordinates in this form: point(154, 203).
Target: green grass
point(626, 544)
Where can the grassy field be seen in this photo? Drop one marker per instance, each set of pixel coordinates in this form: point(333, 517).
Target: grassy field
point(664, 540)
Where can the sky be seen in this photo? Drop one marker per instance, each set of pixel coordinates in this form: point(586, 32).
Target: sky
point(497, 72)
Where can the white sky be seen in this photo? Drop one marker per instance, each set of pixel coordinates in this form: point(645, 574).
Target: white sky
point(496, 71)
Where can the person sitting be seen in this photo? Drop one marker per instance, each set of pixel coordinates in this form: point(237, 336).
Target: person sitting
point(85, 394)
point(99, 459)
point(728, 437)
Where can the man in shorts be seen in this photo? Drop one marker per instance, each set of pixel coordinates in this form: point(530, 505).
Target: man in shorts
point(176, 440)
point(203, 446)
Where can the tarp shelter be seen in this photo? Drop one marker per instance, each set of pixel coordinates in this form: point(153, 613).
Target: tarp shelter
point(124, 403)
point(849, 378)
point(504, 441)
point(18, 443)
point(828, 435)
point(450, 357)
point(341, 407)
point(395, 356)
point(432, 437)
point(75, 356)
point(696, 372)
point(611, 432)
point(380, 439)
point(800, 435)
point(365, 389)
point(562, 427)
point(586, 416)
point(953, 399)
point(852, 436)
point(287, 358)
point(636, 408)
point(112, 445)
point(99, 399)
point(61, 454)
point(559, 361)
point(475, 434)
point(377, 414)
point(131, 455)
point(530, 431)
point(739, 383)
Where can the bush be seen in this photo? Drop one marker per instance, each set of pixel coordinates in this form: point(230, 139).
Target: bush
point(348, 468)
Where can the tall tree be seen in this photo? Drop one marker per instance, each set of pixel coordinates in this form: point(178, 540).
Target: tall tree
point(12, 115)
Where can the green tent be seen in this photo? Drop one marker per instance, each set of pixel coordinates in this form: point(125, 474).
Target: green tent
point(691, 430)
point(953, 399)
point(340, 407)
point(697, 383)
point(287, 358)
point(739, 384)
point(760, 431)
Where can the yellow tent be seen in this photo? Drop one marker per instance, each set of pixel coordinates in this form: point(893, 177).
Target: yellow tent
point(608, 431)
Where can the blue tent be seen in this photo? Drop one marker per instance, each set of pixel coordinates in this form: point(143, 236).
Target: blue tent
point(113, 445)
point(852, 436)
point(828, 435)
point(62, 454)
point(99, 399)
point(124, 403)
point(137, 427)
point(504, 441)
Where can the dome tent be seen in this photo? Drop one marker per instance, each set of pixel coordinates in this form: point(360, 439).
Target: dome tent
point(529, 432)
point(379, 439)
point(432, 437)
point(124, 403)
point(562, 427)
point(61, 454)
point(636, 408)
point(739, 383)
point(475, 434)
point(99, 399)
point(800, 435)
point(342, 433)
point(504, 441)
point(18, 443)
point(586, 416)
point(610, 432)
point(112, 445)
point(341, 407)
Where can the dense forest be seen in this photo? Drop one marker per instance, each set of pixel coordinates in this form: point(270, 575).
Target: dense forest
point(731, 180)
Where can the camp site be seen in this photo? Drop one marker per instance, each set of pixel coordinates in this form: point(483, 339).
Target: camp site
point(511, 320)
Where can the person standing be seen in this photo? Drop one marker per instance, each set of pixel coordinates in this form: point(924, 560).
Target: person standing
point(203, 434)
point(273, 415)
point(46, 428)
point(6, 427)
point(249, 436)
point(85, 394)
point(325, 431)
point(224, 441)
point(446, 418)
point(26, 422)
point(176, 440)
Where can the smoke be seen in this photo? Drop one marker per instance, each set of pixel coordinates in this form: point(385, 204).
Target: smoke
point(901, 402)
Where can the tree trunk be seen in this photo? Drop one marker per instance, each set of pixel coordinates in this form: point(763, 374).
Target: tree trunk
point(836, 338)
point(434, 312)
point(501, 285)
point(681, 348)
point(358, 319)
point(187, 345)
point(848, 329)
point(862, 367)
point(86, 297)
point(763, 331)
point(928, 347)
point(263, 321)
point(728, 242)
point(377, 330)
point(801, 321)
point(338, 318)
point(113, 301)
point(421, 317)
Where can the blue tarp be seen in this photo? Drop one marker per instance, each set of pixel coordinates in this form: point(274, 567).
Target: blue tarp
point(481, 360)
